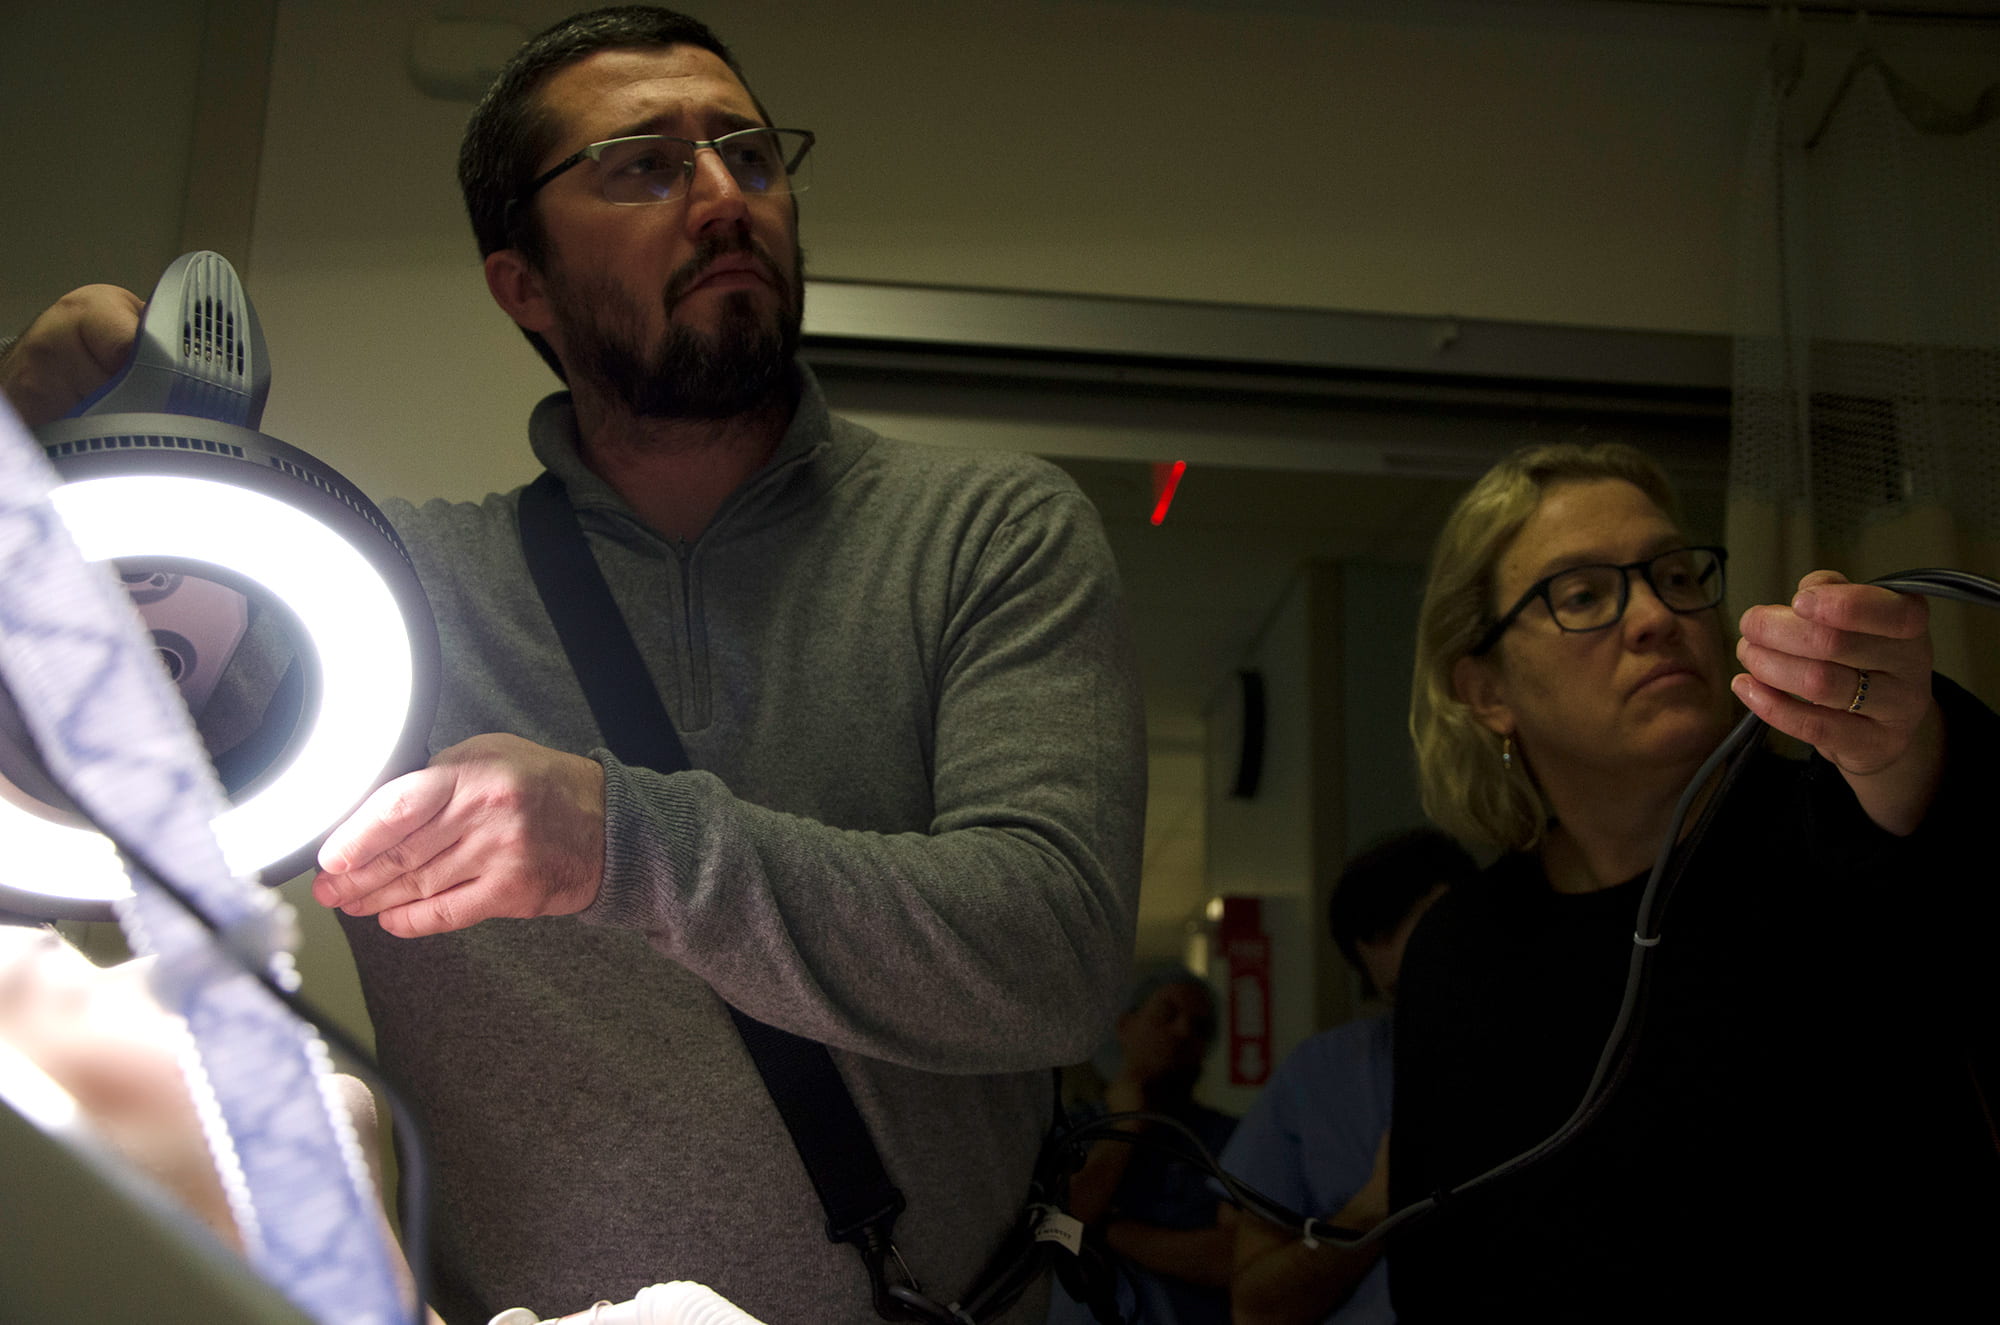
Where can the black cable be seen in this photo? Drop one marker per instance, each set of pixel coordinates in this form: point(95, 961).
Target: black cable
point(1181, 1143)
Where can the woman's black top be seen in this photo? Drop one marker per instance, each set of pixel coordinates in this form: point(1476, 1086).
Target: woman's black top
point(1802, 1128)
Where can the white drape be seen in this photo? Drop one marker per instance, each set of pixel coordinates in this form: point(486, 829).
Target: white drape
point(1866, 420)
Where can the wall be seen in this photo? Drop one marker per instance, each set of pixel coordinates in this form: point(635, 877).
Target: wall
point(1335, 657)
point(1536, 161)
point(1267, 845)
point(1378, 634)
point(1434, 157)
point(99, 107)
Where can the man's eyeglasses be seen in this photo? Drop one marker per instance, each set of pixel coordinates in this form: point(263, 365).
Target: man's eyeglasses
point(1582, 598)
point(649, 168)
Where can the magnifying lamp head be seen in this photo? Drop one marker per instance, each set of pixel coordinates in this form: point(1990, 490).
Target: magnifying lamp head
point(277, 595)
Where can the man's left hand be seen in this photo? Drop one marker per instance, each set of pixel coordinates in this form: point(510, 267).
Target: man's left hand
point(496, 827)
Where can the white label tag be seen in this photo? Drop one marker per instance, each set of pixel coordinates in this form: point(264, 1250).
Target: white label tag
point(1055, 1226)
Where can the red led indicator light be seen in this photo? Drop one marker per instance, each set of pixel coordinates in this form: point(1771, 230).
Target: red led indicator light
point(1166, 479)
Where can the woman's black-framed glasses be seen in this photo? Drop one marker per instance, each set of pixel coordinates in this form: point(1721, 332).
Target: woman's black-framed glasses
point(1583, 598)
point(653, 167)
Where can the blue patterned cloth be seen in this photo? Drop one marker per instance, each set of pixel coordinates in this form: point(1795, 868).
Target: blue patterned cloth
point(115, 735)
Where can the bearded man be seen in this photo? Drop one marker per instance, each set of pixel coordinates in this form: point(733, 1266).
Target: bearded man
point(902, 676)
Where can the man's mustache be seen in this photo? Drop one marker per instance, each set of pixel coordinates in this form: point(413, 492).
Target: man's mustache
point(689, 274)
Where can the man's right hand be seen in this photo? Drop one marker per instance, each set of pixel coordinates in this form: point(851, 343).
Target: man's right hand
point(70, 351)
point(495, 827)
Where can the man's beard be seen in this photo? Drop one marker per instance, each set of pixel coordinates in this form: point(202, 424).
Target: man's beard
point(746, 362)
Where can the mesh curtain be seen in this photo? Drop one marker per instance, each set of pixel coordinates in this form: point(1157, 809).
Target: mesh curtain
point(1865, 431)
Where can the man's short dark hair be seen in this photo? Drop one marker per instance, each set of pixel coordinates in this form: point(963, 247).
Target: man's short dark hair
point(510, 131)
point(1381, 886)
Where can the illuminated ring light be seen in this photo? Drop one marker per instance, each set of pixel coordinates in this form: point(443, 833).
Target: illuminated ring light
point(197, 494)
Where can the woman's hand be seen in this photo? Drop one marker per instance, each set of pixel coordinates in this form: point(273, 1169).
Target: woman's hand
point(1846, 668)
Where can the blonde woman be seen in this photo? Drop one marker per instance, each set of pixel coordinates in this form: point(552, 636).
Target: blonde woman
point(1799, 1107)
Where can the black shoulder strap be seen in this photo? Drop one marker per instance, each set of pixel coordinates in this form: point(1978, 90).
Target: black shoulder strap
point(831, 1137)
point(620, 691)
point(827, 1130)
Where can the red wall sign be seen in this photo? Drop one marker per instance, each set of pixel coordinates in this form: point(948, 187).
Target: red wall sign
point(1247, 949)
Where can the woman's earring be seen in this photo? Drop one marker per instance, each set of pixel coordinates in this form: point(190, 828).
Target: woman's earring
point(1507, 754)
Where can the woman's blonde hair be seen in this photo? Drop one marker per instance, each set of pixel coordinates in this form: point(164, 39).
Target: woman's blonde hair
point(1467, 789)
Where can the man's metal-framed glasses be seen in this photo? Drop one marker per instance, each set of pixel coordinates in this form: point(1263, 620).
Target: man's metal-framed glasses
point(653, 167)
point(1584, 598)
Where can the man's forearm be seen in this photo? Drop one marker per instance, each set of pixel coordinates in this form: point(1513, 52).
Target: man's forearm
point(1298, 1285)
point(1280, 1280)
point(1196, 1255)
point(739, 895)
